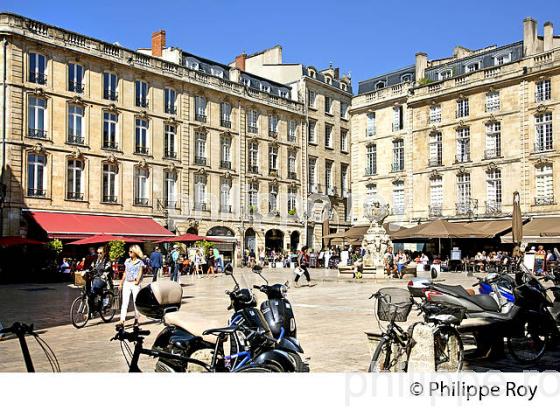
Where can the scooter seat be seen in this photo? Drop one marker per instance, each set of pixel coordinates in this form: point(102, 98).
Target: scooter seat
point(486, 302)
point(188, 322)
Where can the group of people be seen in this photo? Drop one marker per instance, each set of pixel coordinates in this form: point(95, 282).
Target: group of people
point(271, 257)
point(193, 261)
point(545, 260)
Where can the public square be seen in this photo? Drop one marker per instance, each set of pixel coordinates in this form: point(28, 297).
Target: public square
point(332, 319)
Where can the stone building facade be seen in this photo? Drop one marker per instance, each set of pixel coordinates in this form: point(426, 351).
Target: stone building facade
point(326, 96)
point(94, 128)
point(455, 137)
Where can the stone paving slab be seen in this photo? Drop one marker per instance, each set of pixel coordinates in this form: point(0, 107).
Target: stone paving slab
point(332, 319)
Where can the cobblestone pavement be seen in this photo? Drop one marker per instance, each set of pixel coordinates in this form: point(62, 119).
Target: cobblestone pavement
point(331, 317)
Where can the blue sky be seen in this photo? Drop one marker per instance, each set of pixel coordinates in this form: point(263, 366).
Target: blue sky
point(365, 38)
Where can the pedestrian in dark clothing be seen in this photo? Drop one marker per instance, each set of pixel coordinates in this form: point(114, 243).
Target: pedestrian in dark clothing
point(156, 260)
point(303, 264)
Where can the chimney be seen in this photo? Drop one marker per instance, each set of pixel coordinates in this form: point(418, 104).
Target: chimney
point(240, 61)
point(548, 36)
point(529, 36)
point(158, 43)
point(421, 65)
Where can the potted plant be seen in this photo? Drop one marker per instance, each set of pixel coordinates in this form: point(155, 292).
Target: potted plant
point(292, 212)
point(116, 250)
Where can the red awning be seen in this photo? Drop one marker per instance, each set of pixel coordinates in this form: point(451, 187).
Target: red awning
point(75, 226)
point(8, 241)
point(187, 237)
point(103, 239)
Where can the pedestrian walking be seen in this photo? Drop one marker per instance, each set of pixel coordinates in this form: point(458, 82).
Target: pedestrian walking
point(173, 262)
point(303, 265)
point(156, 259)
point(130, 282)
point(219, 260)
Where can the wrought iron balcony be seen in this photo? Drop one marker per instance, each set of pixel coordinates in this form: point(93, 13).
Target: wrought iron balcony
point(493, 207)
point(370, 171)
point(273, 172)
point(200, 206)
point(254, 169)
point(273, 134)
point(200, 117)
point(291, 137)
point(170, 154)
point(76, 86)
point(142, 102)
point(140, 149)
point(370, 132)
point(200, 160)
point(111, 95)
point(225, 164)
point(141, 201)
point(37, 133)
point(112, 145)
point(434, 162)
point(466, 157)
point(252, 130)
point(225, 123)
point(397, 167)
point(542, 146)
point(170, 109)
point(75, 139)
point(467, 207)
point(544, 200)
point(492, 153)
point(36, 192)
point(110, 199)
point(75, 196)
point(38, 78)
point(292, 175)
point(435, 210)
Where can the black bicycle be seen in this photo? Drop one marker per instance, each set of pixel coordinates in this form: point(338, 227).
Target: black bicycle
point(21, 330)
point(100, 299)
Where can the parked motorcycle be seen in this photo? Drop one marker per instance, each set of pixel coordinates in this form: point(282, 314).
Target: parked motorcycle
point(279, 315)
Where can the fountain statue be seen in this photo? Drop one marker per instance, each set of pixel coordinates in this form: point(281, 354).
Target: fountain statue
point(376, 240)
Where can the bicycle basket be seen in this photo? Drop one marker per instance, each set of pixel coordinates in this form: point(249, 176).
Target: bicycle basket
point(393, 304)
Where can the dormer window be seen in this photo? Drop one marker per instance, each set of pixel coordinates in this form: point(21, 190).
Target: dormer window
point(502, 59)
point(194, 65)
point(246, 82)
point(343, 86)
point(265, 88)
point(472, 67)
point(312, 73)
point(379, 85)
point(217, 72)
point(328, 80)
point(406, 78)
point(444, 75)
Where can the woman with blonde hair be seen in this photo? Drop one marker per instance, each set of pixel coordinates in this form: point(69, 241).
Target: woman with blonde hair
point(130, 282)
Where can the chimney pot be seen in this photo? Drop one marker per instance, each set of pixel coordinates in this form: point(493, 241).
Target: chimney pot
point(240, 61)
point(529, 36)
point(158, 43)
point(421, 65)
point(548, 36)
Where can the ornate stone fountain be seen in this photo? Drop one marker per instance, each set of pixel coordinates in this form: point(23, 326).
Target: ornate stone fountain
point(376, 240)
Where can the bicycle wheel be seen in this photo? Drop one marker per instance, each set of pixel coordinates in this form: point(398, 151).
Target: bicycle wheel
point(529, 344)
point(449, 352)
point(107, 310)
point(381, 359)
point(299, 365)
point(79, 312)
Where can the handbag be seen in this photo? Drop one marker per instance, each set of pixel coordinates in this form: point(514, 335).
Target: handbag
point(298, 271)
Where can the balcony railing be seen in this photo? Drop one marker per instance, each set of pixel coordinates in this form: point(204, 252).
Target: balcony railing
point(493, 207)
point(76, 86)
point(225, 164)
point(200, 117)
point(75, 139)
point(200, 206)
point(273, 172)
point(200, 160)
point(467, 207)
point(462, 157)
point(254, 169)
point(491, 153)
point(170, 154)
point(37, 133)
point(75, 196)
point(291, 137)
point(292, 175)
point(141, 201)
point(142, 102)
point(225, 208)
point(370, 171)
point(434, 210)
point(434, 162)
point(273, 134)
point(110, 199)
point(543, 146)
point(37, 78)
point(170, 110)
point(252, 130)
point(36, 192)
point(544, 200)
point(112, 145)
point(397, 167)
point(225, 123)
point(140, 149)
point(110, 95)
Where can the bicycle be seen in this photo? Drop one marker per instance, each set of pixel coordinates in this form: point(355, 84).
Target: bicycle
point(105, 304)
point(393, 351)
point(20, 330)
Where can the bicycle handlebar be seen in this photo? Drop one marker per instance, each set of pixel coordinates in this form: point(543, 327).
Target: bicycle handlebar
point(130, 336)
point(18, 328)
